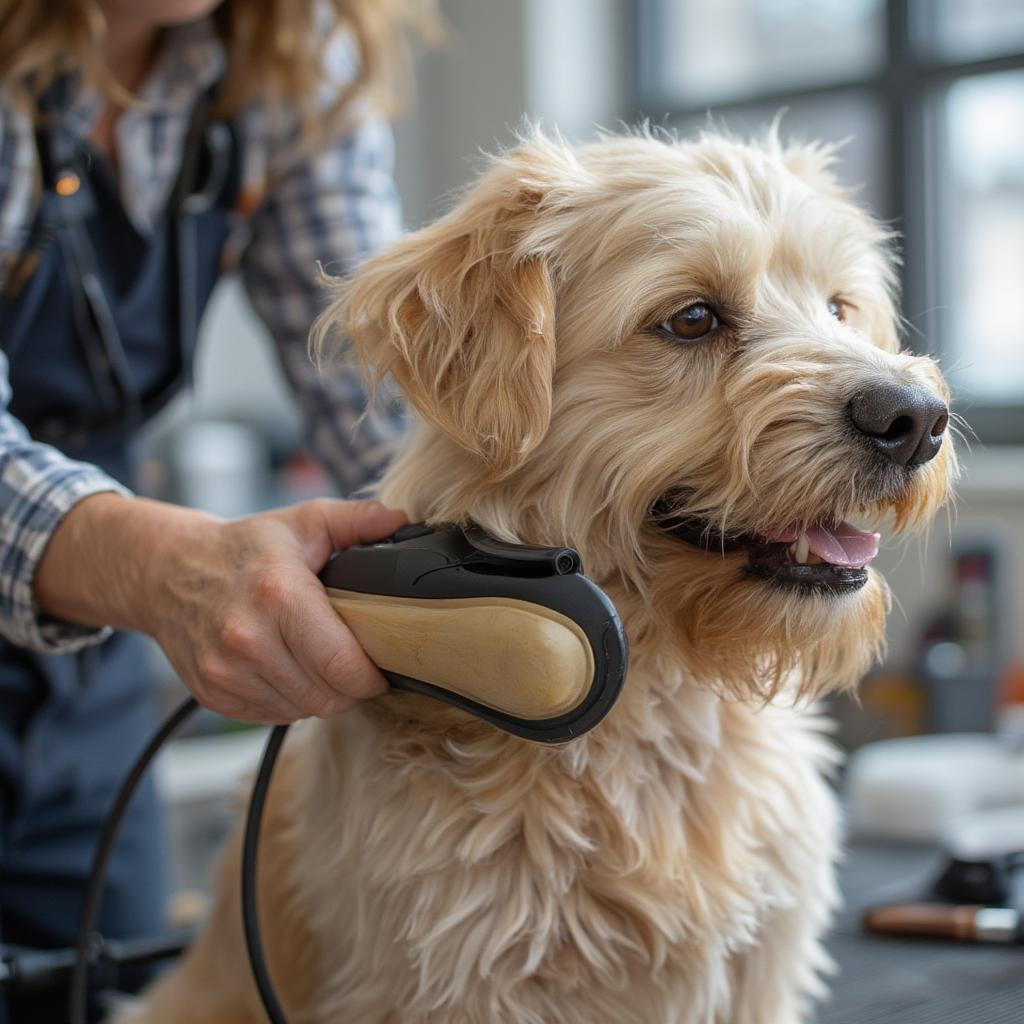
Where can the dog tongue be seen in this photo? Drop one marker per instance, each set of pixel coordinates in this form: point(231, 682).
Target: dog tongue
point(836, 543)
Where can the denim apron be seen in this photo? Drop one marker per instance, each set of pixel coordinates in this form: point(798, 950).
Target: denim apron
point(99, 337)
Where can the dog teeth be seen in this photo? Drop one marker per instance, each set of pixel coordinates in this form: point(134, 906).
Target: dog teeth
point(801, 549)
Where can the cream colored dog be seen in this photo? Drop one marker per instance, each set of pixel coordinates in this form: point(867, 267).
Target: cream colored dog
point(683, 360)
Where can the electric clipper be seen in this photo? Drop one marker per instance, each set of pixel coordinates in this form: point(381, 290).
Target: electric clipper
point(514, 634)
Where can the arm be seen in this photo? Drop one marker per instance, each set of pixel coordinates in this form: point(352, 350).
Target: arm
point(335, 209)
point(236, 606)
point(38, 488)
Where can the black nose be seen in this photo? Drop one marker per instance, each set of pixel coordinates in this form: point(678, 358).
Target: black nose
point(904, 422)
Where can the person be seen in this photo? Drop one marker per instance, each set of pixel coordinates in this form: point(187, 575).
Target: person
point(145, 147)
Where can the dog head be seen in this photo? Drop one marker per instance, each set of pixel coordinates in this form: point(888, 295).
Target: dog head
point(683, 358)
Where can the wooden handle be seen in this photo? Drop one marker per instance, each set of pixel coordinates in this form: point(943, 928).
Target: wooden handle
point(933, 919)
point(519, 658)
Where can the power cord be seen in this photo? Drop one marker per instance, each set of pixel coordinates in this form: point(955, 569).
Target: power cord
point(250, 849)
point(89, 945)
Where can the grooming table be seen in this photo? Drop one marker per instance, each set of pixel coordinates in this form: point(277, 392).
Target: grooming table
point(906, 981)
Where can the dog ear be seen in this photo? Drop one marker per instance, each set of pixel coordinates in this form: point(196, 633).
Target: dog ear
point(461, 315)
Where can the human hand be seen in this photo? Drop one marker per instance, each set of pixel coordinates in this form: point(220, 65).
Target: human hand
point(236, 606)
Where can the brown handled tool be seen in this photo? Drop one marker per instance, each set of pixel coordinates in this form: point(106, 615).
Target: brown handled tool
point(947, 921)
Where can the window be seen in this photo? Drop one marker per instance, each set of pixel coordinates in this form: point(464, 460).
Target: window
point(983, 140)
point(931, 95)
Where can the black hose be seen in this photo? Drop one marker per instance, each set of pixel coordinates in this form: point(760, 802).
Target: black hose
point(86, 942)
point(78, 1009)
point(28, 969)
point(250, 849)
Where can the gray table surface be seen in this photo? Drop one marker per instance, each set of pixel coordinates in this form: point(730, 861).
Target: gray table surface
point(894, 981)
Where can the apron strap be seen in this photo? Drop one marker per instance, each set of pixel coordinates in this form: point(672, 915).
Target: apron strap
point(194, 193)
point(67, 202)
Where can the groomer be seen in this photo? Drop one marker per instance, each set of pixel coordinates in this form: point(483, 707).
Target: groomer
point(145, 147)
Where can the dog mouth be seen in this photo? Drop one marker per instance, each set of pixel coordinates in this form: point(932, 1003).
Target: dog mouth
point(827, 556)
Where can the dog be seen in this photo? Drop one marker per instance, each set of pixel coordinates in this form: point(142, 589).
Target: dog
point(683, 359)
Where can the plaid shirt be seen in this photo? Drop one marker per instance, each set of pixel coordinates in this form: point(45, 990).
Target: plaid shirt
point(334, 207)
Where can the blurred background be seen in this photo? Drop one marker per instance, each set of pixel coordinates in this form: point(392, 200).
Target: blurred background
point(928, 97)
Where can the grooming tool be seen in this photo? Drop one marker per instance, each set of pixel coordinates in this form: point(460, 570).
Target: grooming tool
point(943, 921)
point(997, 879)
point(977, 893)
point(511, 633)
point(984, 859)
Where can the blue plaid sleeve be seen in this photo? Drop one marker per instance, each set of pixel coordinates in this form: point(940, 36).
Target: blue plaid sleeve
point(334, 210)
point(38, 487)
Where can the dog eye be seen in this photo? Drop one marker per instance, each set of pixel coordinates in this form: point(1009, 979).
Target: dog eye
point(691, 323)
point(837, 308)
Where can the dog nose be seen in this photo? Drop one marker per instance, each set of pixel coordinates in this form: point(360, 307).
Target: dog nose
point(904, 422)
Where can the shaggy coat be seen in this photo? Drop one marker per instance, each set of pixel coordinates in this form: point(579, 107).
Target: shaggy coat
point(674, 866)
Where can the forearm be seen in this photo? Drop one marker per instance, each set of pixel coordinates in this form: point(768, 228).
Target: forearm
point(102, 564)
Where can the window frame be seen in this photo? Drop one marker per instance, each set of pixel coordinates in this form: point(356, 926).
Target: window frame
point(908, 90)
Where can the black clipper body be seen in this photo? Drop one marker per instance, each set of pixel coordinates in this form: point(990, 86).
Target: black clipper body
point(515, 635)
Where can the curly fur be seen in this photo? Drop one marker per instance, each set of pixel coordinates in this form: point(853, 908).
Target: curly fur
point(675, 866)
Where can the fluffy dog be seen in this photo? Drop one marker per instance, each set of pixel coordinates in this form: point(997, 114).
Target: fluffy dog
point(683, 359)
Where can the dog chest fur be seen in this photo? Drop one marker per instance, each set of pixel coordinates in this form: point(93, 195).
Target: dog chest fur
point(628, 877)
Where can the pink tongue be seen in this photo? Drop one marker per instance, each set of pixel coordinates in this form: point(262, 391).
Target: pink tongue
point(838, 543)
